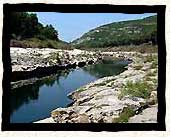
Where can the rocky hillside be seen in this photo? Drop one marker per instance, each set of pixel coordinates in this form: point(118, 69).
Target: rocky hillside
point(120, 33)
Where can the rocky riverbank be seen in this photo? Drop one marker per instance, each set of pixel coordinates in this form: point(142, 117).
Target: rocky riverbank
point(28, 59)
point(29, 63)
point(114, 99)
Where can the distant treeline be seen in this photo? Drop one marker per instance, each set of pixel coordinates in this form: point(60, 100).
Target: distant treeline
point(26, 25)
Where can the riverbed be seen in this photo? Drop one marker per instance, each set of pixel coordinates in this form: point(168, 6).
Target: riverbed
point(35, 101)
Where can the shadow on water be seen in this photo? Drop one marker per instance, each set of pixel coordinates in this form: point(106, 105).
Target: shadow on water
point(35, 101)
point(25, 94)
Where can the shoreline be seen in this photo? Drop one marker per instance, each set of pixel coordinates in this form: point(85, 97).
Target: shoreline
point(30, 63)
point(102, 96)
point(28, 72)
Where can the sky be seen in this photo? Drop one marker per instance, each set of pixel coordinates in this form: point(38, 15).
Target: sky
point(73, 25)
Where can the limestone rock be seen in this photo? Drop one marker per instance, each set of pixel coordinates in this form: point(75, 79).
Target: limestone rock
point(148, 115)
point(82, 118)
point(153, 98)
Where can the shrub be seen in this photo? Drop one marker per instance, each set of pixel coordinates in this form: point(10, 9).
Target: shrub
point(138, 89)
point(124, 116)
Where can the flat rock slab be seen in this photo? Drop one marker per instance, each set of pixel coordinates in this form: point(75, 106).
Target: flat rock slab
point(148, 115)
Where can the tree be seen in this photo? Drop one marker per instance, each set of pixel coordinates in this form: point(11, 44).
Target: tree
point(25, 25)
point(49, 32)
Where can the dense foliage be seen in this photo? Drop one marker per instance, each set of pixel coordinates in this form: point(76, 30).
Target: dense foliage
point(132, 32)
point(27, 32)
point(25, 25)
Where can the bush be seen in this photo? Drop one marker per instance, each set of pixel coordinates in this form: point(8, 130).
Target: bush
point(124, 116)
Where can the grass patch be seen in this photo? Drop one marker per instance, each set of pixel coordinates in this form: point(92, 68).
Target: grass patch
point(124, 116)
point(138, 89)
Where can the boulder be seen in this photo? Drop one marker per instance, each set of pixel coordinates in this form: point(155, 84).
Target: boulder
point(81, 64)
point(90, 62)
point(153, 98)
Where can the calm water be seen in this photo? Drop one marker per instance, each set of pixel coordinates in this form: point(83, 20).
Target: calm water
point(34, 102)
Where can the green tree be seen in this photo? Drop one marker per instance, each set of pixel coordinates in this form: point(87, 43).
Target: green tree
point(25, 25)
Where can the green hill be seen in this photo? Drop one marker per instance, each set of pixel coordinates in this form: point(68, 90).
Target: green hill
point(133, 32)
point(27, 32)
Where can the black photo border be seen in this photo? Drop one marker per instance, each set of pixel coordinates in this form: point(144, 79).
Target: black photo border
point(84, 8)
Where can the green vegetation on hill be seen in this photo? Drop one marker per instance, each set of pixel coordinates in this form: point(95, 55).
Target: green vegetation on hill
point(133, 32)
point(26, 25)
point(27, 32)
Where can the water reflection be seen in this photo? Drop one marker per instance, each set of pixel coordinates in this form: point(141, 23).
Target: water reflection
point(33, 102)
point(106, 68)
point(25, 94)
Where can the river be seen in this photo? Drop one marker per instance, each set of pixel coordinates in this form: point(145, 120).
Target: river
point(35, 101)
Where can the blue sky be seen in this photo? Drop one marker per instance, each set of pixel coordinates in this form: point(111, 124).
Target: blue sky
point(73, 25)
